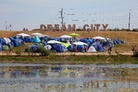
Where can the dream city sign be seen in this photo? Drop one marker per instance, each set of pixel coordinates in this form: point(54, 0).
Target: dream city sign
point(86, 27)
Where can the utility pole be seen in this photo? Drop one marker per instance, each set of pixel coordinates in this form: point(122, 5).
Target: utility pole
point(129, 19)
point(62, 18)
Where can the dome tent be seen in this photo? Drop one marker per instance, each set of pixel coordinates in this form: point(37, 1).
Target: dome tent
point(36, 39)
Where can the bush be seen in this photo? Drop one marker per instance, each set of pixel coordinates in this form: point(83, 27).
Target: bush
point(135, 54)
point(43, 51)
point(18, 52)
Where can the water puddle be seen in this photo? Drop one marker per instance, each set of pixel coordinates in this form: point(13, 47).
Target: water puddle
point(68, 78)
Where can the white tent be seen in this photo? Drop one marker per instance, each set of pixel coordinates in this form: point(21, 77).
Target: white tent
point(37, 34)
point(7, 40)
point(65, 36)
point(80, 43)
point(99, 37)
point(48, 47)
point(92, 49)
point(53, 42)
point(23, 35)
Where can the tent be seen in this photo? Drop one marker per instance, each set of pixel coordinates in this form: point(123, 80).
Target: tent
point(28, 39)
point(1, 47)
point(5, 47)
point(48, 47)
point(80, 43)
point(37, 34)
point(65, 44)
point(22, 35)
point(92, 49)
point(5, 40)
point(65, 36)
point(36, 39)
point(99, 38)
point(59, 48)
point(74, 35)
point(53, 42)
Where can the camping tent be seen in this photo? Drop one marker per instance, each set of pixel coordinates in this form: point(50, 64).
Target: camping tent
point(80, 43)
point(36, 39)
point(23, 35)
point(53, 42)
point(37, 34)
point(92, 49)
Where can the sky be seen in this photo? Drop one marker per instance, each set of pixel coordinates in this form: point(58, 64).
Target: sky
point(19, 14)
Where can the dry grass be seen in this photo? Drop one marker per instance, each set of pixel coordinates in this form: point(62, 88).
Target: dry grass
point(131, 38)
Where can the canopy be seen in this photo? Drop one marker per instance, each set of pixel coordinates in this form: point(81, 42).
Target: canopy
point(80, 43)
point(74, 34)
point(53, 42)
point(65, 36)
point(23, 35)
point(37, 34)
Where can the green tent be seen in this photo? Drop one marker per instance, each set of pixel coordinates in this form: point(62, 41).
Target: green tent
point(5, 47)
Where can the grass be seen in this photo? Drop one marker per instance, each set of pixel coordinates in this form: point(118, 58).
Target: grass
point(71, 59)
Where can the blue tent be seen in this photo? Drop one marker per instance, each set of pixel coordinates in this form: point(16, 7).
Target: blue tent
point(36, 39)
point(1, 47)
point(28, 39)
point(98, 47)
point(58, 48)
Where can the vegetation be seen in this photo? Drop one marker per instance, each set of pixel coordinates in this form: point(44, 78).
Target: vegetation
point(70, 59)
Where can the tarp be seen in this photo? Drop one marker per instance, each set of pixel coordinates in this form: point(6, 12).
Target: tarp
point(36, 39)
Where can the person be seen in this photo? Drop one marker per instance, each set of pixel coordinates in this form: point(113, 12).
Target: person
point(134, 49)
point(110, 49)
point(75, 48)
point(10, 52)
point(85, 48)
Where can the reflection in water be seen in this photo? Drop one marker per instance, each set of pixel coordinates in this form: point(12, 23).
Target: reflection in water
point(68, 78)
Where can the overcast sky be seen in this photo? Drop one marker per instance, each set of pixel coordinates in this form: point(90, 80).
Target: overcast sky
point(31, 13)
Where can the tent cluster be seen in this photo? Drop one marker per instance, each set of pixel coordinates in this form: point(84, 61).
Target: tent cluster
point(64, 43)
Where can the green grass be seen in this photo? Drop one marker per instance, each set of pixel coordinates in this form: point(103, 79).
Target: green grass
point(72, 59)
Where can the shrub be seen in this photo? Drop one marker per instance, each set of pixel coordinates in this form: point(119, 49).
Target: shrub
point(43, 51)
point(18, 52)
point(135, 54)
